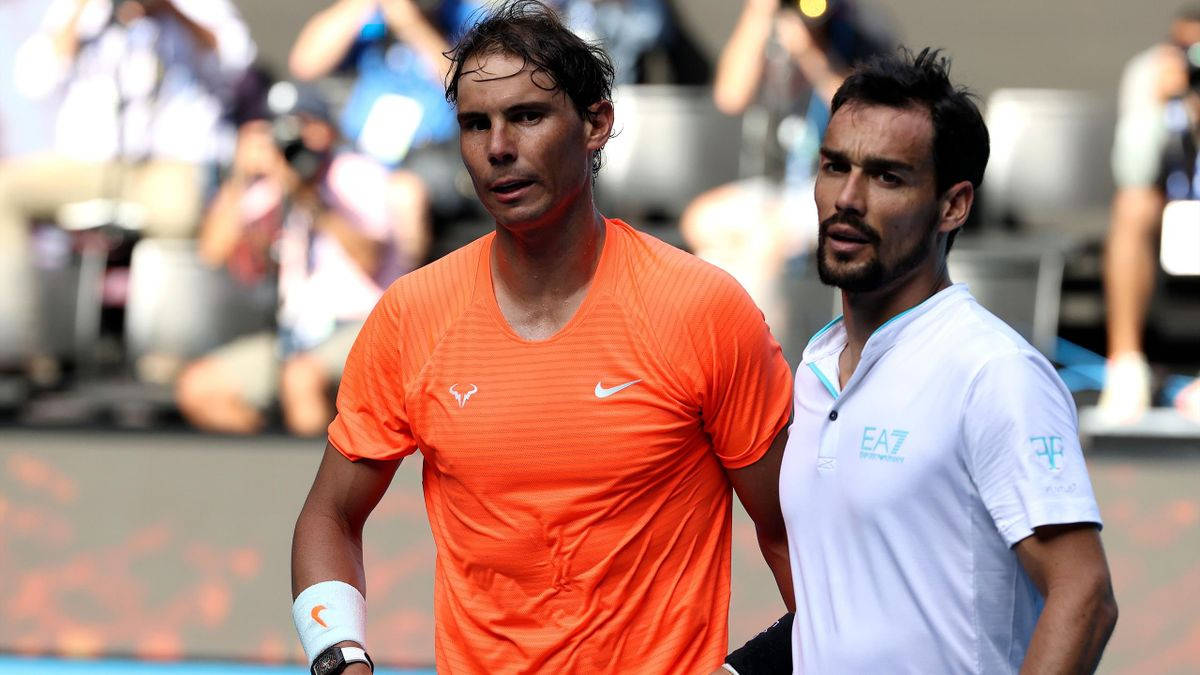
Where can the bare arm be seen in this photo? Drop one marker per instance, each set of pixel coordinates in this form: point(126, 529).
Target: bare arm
point(757, 487)
point(813, 62)
point(326, 37)
point(66, 38)
point(740, 66)
point(327, 543)
point(1067, 564)
point(255, 157)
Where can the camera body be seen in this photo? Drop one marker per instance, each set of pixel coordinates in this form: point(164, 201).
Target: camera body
point(1192, 56)
point(287, 132)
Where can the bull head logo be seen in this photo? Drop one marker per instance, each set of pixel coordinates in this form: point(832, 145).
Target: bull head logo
point(462, 397)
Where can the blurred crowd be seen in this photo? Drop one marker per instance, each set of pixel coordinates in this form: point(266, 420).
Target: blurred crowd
point(126, 122)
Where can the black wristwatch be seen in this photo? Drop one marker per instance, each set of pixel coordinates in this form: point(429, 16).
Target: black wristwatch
point(334, 660)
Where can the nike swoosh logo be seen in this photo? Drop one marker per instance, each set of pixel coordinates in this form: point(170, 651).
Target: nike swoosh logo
point(316, 615)
point(601, 392)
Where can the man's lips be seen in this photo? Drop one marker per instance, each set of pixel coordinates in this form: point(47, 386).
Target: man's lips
point(849, 234)
point(509, 185)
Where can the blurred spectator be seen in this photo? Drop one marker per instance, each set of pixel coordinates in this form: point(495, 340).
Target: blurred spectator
point(790, 58)
point(1154, 162)
point(142, 86)
point(24, 125)
point(397, 110)
point(319, 219)
point(633, 30)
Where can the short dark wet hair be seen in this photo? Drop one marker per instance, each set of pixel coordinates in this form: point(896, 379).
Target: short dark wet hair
point(901, 79)
point(530, 30)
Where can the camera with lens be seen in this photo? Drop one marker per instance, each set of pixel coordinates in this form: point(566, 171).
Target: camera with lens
point(1192, 56)
point(293, 106)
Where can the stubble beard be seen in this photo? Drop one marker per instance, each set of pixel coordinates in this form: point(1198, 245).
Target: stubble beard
point(871, 274)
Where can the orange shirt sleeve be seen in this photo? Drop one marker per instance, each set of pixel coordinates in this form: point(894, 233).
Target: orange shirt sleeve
point(371, 421)
point(747, 398)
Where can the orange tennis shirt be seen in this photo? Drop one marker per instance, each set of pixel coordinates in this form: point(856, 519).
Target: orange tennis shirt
point(574, 485)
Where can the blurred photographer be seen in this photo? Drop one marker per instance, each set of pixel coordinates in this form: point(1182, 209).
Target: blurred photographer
point(781, 66)
point(1155, 167)
point(140, 89)
point(320, 220)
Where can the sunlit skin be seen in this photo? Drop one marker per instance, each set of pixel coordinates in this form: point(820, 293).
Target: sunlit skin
point(528, 151)
point(883, 224)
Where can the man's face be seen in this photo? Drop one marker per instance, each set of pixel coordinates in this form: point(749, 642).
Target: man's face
point(876, 197)
point(527, 149)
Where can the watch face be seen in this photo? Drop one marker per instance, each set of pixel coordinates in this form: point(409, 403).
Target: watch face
point(328, 663)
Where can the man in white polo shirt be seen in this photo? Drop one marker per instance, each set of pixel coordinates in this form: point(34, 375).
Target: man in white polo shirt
point(940, 517)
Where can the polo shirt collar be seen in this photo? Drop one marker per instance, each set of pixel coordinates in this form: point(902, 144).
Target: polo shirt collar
point(830, 340)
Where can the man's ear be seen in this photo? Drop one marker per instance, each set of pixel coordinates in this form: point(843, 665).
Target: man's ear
point(955, 206)
point(599, 124)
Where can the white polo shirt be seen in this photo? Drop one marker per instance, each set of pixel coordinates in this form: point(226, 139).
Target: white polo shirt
point(904, 493)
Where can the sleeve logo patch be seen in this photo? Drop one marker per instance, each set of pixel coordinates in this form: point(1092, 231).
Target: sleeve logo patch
point(1049, 448)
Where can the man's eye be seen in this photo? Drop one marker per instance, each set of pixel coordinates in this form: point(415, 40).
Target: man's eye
point(889, 178)
point(529, 116)
point(833, 167)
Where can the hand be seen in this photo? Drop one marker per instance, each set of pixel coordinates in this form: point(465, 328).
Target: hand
point(255, 154)
point(793, 33)
point(362, 669)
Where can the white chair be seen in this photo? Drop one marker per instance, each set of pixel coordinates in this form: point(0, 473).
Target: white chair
point(1049, 168)
point(671, 145)
point(181, 308)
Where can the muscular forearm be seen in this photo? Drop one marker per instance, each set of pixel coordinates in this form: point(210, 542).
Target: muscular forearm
point(325, 547)
point(774, 548)
point(1072, 630)
point(325, 39)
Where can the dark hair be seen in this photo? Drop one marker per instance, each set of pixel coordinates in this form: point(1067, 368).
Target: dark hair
point(1189, 12)
point(532, 31)
point(901, 80)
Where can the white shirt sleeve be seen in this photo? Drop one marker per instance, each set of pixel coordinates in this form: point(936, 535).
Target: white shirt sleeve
point(235, 48)
point(1021, 437)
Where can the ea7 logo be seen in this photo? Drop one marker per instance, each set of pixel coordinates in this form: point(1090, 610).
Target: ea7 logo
point(1049, 447)
point(462, 396)
point(882, 444)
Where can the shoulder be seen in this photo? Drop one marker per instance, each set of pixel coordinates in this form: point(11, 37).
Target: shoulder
point(674, 282)
point(421, 306)
point(991, 356)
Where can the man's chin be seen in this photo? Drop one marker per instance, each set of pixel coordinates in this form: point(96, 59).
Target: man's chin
point(850, 277)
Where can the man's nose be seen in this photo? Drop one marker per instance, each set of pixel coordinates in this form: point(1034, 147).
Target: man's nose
point(853, 193)
point(501, 149)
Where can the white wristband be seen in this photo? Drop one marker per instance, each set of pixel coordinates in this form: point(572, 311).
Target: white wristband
point(327, 613)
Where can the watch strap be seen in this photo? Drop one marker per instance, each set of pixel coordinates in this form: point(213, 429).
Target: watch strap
point(334, 660)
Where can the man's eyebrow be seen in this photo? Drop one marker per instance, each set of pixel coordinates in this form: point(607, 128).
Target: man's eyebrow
point(523, 106)
point(870, 163)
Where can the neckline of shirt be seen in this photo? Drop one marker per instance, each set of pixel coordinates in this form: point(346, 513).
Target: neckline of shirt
point(831, 339)
point(612, 236)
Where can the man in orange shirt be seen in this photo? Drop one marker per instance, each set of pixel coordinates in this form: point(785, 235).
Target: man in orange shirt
point(583, 396)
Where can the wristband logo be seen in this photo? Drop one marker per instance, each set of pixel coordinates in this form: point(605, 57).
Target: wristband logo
point(316, 615)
